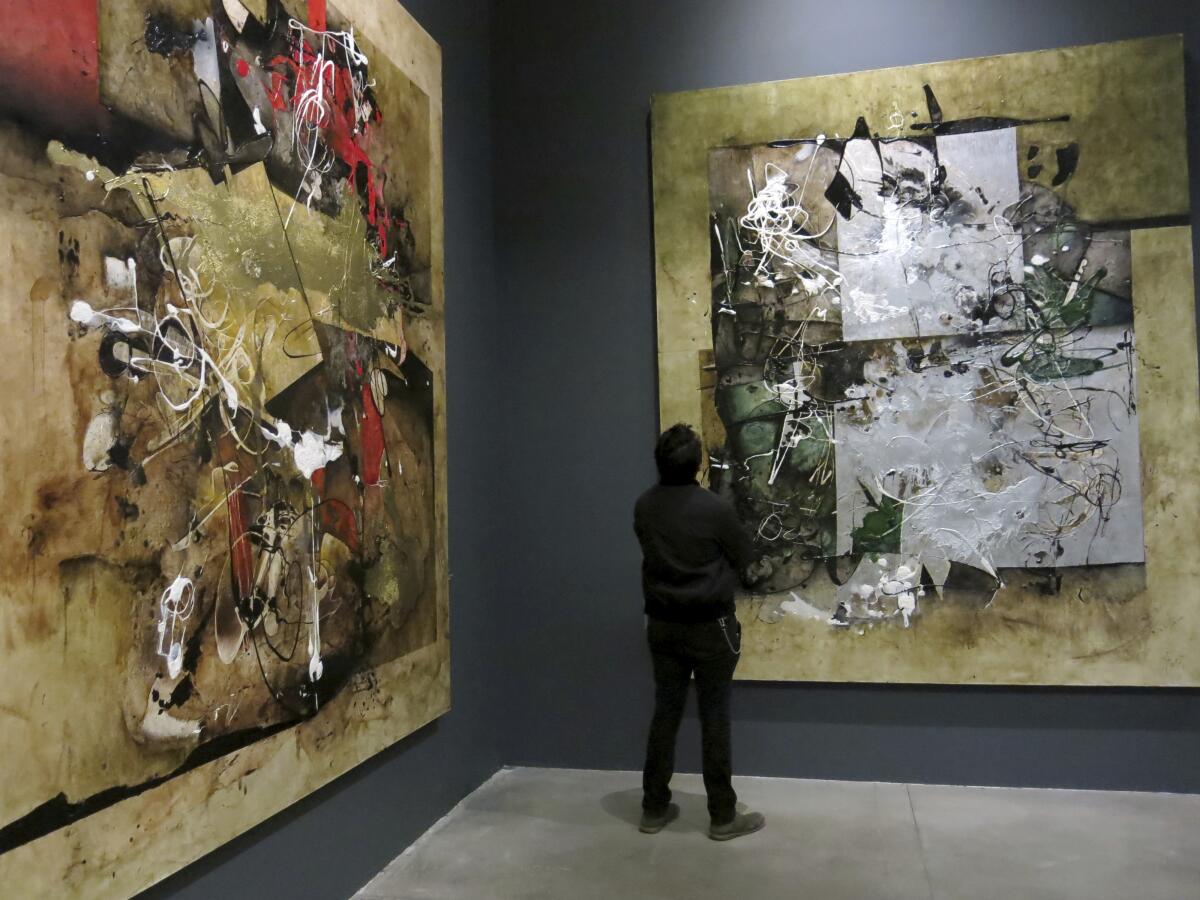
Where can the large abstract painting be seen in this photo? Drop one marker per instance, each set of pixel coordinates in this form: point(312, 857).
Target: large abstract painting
point(937, 327)
point(224, 577)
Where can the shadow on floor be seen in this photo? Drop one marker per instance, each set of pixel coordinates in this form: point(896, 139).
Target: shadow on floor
point(627, 806)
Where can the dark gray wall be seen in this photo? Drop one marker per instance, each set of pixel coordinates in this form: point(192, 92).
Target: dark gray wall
point(332, 842)
point(571, 85)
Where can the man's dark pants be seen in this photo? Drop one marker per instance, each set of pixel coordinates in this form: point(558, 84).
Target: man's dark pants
point(710, 650)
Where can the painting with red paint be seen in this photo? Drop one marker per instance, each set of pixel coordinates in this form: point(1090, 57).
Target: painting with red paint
point(225, 222)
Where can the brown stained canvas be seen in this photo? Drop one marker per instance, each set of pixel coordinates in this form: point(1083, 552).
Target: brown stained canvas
point(165, 683)
point(1101, 130)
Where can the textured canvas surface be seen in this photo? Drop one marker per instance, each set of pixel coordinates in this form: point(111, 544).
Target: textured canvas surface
point(924, 340)
point(224, 421)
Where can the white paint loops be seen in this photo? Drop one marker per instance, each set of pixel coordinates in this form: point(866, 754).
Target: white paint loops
point(82, 312)
point(175, 608)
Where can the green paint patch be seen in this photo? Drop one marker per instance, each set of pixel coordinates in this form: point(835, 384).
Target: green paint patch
point(1062, 304)
point(880, 528)
point(1046, 367)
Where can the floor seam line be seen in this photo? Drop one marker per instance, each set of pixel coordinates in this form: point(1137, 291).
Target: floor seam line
point(920, 843)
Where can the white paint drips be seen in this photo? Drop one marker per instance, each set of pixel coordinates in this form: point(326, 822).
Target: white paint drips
point(120, 274)
point(315, 666)
point(314, 452)
point(282, 435)
point(310, 450)
point(175, 607)
point(884, 586)
point(82, 312)
point(801, 608)
point(335, 420)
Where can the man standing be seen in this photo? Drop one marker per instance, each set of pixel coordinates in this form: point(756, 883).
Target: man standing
point(693, 554)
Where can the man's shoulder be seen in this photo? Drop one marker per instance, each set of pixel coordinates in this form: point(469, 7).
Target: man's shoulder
point(694, 496)
point(646, 498)
point(706, 498)
point(699, 503)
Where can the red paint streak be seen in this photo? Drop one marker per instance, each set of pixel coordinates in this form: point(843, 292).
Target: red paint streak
point(333, 516)
point(243, 68)
point(341, 131)
point(317, 15)
point(337, 519)
point(241, 552)
point(371, 431)
point(275, 92)
point(344, 138)
point(51, 53)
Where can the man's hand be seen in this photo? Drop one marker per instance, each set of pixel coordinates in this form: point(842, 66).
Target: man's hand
point(758, 571)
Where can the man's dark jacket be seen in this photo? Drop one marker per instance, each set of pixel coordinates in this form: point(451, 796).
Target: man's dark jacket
point(693, 549)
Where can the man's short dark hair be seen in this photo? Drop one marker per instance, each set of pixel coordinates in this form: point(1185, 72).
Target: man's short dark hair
point(677, 455)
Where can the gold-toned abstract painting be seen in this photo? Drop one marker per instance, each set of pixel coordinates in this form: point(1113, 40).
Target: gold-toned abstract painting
point(223, 433)
point(936, 326)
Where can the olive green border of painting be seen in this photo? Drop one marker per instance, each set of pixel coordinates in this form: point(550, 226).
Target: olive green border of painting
point(131, 845)
point(1126, 100)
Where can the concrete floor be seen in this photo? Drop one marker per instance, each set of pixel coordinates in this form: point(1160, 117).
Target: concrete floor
point(560, 833)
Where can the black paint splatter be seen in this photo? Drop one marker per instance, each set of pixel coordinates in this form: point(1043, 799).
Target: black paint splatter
point(935, 108)
point(1068, 160)
point(129, 509)
point(843, 196)
point(166, 38)
point(118, 453)
point(938, 125)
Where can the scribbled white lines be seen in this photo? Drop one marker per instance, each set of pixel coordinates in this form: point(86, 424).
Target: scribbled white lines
point(321, 58)
point(779, 223)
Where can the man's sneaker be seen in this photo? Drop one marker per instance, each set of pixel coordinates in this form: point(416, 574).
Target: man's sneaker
point(746, 823)
point(654, 824)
